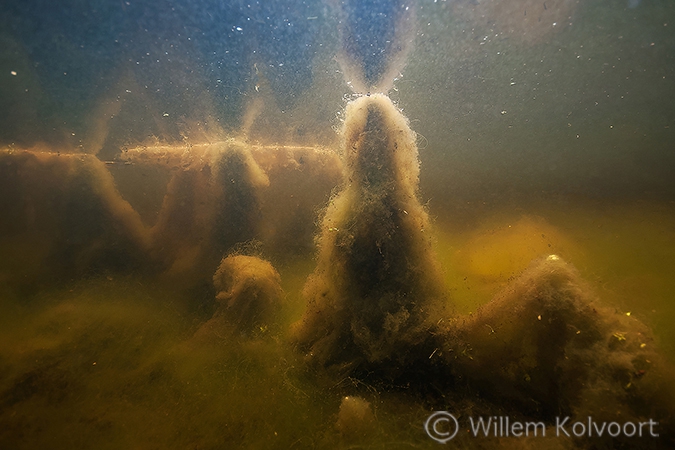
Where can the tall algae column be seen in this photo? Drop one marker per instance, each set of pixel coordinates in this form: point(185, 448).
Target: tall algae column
point(376, 285)
point(211, 204)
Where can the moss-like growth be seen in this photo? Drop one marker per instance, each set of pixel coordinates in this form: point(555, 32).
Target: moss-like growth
point(376, 284)
point(211, 204)
point(249, 295)
point(546, 348)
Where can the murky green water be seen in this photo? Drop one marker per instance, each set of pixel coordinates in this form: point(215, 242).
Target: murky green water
point(145, 142)
point(109, 362)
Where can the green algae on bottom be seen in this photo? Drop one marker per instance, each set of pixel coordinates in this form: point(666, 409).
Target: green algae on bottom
point(104, 363)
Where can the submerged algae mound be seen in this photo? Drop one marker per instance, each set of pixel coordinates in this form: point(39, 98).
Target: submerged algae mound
point(547, 347)
point(211, 204)
point(62, 216)
point(377, 283)
point(377, 311)
point(166, 212)
point(70, 204)
point(249, 295)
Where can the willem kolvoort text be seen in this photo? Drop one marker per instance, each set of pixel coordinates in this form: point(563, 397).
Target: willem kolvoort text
point(503, 426)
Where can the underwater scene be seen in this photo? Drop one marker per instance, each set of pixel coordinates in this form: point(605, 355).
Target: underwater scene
point(333, 224)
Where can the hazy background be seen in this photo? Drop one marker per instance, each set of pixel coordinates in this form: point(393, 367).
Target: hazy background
point(509, 98)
